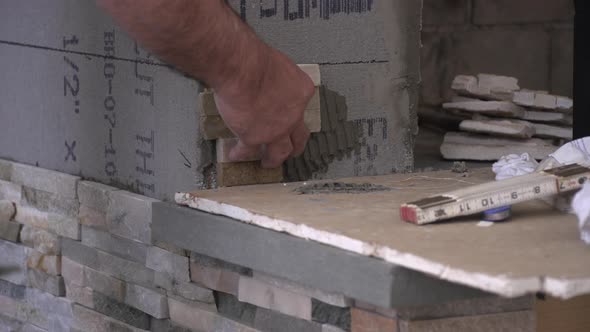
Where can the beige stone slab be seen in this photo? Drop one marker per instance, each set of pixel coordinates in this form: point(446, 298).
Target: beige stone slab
point(498, 108)
point(549, 117)
point(538, 250)
point(501, 127)
point(465, 146)
point(486, 86)
point(551, 131)
point(543, 100)
point(313, 71)
point(225, 145)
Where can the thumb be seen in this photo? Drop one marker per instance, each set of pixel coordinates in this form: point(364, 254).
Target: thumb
point(243, 152)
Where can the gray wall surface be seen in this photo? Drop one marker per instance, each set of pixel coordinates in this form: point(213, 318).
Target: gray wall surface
point(77, 95)
point(532, 40)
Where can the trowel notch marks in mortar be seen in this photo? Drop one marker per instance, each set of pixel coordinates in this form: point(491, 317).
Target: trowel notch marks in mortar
point(500, 284)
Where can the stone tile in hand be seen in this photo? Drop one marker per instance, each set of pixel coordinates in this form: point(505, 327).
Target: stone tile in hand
point(129, 215)
point(46, 282)
point(54, 182)
point(50, 264)
point(115, 245)
point(11, 290)
point(268, 320)
point(176, 266)
point(88, 320)
point(94, 195)
point(365, 321)
point(41, 240)
point(56, 223)
point(267, 296)
point(337, 300)
point(149, 301)
point(49, 202)
point(186, 290)
point(10, 230)
point(13, 258)
point(10, 191)
point(202, 317)
point(519, 321)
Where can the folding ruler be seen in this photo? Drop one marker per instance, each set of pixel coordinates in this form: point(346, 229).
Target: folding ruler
point(496, 194)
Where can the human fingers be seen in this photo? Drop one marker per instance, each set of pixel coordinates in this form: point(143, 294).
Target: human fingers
point(299, 138)
point(277, 152)
point(243, 152)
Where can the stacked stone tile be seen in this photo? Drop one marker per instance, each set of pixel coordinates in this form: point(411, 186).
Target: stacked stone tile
point(78, 256)
point(501, 119)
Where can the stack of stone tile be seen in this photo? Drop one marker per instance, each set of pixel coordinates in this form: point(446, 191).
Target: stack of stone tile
point(78, 256)
point(503, 119)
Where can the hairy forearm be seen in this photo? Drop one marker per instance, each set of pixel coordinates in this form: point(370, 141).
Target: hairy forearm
point(203, 38)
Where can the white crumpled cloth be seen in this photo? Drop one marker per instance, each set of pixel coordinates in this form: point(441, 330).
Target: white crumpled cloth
point(514, 165)
point(581, 206)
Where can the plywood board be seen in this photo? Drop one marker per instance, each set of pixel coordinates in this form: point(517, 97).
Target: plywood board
point(537, 251)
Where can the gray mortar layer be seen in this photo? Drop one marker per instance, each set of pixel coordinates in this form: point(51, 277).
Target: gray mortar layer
point(369, 57)
point(341, 138)
point(340, 188)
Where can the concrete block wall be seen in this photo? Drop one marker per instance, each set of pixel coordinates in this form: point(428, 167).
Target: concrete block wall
point(79, 96)
point(528, 39)
point(77, 255)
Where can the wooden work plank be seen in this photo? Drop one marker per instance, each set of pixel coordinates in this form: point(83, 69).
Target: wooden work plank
point(563, 316)
point(539, 250)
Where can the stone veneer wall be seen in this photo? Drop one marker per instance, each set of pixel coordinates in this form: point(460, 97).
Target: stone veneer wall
point(78, 256)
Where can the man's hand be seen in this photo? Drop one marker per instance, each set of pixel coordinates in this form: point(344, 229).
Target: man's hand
point(268, 115)
point(260, 93)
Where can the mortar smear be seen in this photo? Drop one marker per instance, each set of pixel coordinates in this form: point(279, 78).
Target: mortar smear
point(340, 188)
